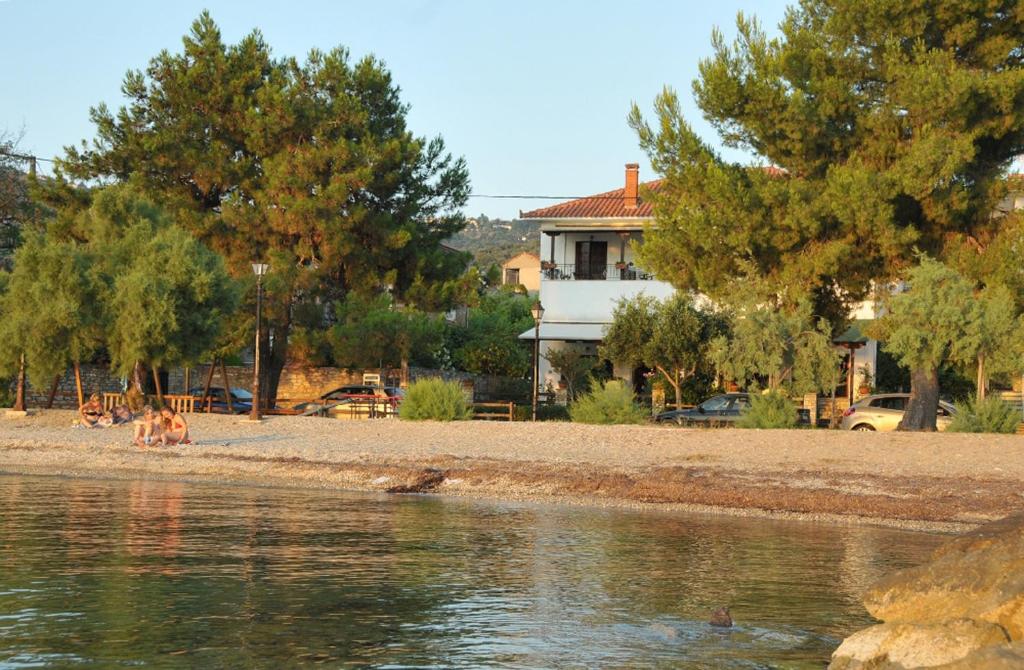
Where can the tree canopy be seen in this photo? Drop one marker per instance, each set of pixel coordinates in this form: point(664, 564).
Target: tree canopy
point(882, 128)
point(309, 165)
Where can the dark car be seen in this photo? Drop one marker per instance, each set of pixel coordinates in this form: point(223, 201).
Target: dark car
point(241, 400)
point(719, 410)
point(716, 410)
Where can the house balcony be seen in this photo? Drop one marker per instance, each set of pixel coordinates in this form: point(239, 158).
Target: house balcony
point(573, 272)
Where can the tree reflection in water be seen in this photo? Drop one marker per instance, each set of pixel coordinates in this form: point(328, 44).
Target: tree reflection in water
point(121, 572)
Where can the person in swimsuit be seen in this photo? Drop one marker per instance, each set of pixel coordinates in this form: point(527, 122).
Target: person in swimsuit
point(175, 428)
point(148, 428)
point(91, 412)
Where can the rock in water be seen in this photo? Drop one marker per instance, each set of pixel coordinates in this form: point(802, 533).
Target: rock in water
point(721, 618)
point(979, 575)
point(900, 646)
point(998, 657)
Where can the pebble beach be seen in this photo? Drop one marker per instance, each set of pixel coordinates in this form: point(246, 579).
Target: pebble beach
point(927, 481)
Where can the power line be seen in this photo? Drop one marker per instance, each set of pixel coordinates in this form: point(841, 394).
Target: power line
point(487, 196)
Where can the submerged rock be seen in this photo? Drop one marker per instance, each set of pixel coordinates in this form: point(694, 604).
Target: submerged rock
point(978, 576)
point(900, 646)
point(721, 618)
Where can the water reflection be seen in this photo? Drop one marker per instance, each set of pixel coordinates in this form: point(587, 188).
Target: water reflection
point(98, 573)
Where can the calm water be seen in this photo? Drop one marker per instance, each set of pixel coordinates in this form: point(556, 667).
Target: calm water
point(129, 574)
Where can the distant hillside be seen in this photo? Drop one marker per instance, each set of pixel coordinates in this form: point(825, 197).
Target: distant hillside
point(492, 241)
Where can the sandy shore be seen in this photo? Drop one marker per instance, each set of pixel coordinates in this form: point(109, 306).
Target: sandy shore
point(915, 480)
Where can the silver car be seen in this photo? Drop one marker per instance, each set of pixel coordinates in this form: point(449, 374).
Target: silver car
point(885, 411)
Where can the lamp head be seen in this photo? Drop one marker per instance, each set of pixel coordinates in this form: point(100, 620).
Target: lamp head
point(538, 311)
point(260, 269)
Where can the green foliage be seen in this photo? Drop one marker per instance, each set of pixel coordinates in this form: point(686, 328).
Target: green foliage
point(671, 336)
point(372, 331)
point(894, 125)
point(990, 415)
point(574, 365)
point(790, 348)
point(307, 164)
point(435, 400)
point(545, 412)
point(117, 276)
point(610, 403)
point(768, 410)
point(489, 343)
point(926, 326)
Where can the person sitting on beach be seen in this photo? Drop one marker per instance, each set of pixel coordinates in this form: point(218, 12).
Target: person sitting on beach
point(175, 428)
point(148, 428)
point(121, 414)
point(91, 412)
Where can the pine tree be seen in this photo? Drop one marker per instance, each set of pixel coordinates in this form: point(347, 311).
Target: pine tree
point(308, 165)
point(888, 126)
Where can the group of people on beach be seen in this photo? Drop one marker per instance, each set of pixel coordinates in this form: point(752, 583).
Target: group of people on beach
point(165, 427)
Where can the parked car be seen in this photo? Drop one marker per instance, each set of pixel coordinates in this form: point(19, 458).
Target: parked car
point(719, 410)
point(884, 412)
point(389, 397)
point(716, 410)
point(241, 400)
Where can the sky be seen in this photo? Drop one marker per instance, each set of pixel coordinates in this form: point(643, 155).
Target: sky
point(534, 94)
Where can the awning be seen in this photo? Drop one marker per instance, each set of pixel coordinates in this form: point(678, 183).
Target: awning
point(587, 332)
point(854, 335)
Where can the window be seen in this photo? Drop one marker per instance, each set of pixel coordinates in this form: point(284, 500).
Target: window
point(512, 277)
point(716, 404)
point(894, 403)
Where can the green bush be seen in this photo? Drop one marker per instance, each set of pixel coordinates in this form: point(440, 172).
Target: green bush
point(435, 400)
point(990, 415)
point(770, 410)
point(610, 403)
point(544, 412)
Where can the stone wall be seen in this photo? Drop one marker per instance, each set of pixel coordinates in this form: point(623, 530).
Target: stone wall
point(298, 382)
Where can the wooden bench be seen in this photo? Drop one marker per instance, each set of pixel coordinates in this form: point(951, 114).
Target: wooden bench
point(494, 411)
point(179, 403)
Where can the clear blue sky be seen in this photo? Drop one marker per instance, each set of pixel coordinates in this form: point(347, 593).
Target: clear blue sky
point(534, 93)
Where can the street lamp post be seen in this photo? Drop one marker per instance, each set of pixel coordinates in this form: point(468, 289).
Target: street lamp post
point(259, 269)
point(538, 313)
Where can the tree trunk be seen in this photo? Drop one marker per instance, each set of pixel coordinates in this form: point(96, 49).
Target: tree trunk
point(19, 394)
point(206, 386)
point(982, 381)
point(137, 379)
point(156, 385)
point(923, 405)
point(227, 386)
point(53, 391)
point(78, 383)
point(277, 359)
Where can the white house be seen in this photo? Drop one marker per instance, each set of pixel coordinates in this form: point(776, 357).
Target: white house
point(587, 265)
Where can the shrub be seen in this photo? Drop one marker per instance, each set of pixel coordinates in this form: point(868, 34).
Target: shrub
point(612, 402)
point(544, 412)
point(990, 415)
point(770, 410)
point(435, 400)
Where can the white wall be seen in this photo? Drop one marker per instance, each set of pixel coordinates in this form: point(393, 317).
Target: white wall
point(592, 301)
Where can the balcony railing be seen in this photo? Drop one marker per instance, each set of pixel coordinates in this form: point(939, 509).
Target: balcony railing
point(572, 272)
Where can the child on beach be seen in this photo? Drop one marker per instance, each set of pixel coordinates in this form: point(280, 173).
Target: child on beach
point(148, 428)
point(175, 428)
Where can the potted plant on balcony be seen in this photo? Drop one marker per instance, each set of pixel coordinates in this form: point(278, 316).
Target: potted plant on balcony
point(866, 381)
point(547, 265)
point(621, 265)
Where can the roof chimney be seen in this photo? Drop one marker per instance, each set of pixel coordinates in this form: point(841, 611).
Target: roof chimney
point(629, 196)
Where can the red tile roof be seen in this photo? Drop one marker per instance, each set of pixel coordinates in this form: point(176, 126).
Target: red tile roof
point(610, 205)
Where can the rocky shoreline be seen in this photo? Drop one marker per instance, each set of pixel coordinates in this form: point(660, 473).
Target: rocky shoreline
point(936, 482)
point(963, 610)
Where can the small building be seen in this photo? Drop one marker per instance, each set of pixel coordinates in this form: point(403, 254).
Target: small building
point(522, 270)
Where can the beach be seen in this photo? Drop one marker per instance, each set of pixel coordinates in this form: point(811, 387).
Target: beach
point(911, 480)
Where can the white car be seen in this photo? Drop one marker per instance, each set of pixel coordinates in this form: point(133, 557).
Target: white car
point(885, 411)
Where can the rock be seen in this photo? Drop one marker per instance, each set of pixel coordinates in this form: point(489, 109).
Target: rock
point(721, 618)
point(980, 575)
point(427, 480)
point(997, 657)
point(902, 646)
